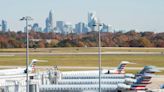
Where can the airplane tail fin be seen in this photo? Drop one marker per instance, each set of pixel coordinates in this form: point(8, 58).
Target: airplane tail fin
point(145, 78)
point(148, 69)
point(122, 65)
point(34, 61)
point(142, 82)
point(31, 67)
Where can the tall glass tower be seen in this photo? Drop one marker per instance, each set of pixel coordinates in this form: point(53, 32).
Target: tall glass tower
point(4, 26)
point(92, 20)
point(49, 23)
point(51, 20)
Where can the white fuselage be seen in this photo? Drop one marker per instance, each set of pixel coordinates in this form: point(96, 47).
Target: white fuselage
point(81, 88)
point(13, 71)
point(95, 81)
point(96, 76)
point(104, 71)
point(84, 72)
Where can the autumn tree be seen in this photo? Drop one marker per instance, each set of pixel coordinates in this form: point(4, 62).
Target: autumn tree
point(144, 42)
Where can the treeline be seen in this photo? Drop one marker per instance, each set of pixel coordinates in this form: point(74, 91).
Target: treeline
point(117, 39)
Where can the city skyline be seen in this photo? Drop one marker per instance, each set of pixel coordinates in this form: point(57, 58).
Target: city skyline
point(146, 15)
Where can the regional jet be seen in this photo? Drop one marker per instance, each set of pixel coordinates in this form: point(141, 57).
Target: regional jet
point(119, 70)
point(139, 85)
point(31, 68)
point(146, 69)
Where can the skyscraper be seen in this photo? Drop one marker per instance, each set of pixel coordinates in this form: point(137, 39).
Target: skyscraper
point(49, 23)
point(106, 28)
point(60, 26)
point(81, 28)
point(92, 20)
point(36, 27)
point(68, 28)
point(51, 20)
point(4, 26)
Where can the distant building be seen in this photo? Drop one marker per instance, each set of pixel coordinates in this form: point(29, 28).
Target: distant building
point(51, 20)
point(49, 23)
point(47, 28)
point(68, 28)
point(36, 27)
point(105, 28)
point(4, 26)
point(63, 27)
point(81, 28)
point(37, 40)
point(60, 26)
point(92, 20)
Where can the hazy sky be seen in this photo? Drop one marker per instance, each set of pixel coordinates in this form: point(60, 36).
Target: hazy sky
point(143, 15)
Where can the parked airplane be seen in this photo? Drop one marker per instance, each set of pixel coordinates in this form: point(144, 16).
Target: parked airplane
point(119, 70)
point(96, 76)
point(108, 78)
point(96, 81)
point(140, 84)
point(31, 68)
point(146, 69)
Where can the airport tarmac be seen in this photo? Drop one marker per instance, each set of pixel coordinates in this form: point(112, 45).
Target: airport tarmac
point(156, 82)
point(77, 67)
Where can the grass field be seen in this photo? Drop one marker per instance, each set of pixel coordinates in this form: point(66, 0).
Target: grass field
point(85, 60)
point(83, 49)
point(88, 60)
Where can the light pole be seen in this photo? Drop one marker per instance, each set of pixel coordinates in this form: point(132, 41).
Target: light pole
point(27, 18)
point(99, 52)
point(0, 26)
